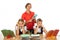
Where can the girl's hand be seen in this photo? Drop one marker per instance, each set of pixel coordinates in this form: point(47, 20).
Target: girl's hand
point(42, 25)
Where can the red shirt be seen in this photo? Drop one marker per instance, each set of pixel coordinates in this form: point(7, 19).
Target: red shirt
point(26, 16)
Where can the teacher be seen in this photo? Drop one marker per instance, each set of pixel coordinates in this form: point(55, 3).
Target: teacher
point(28, 16)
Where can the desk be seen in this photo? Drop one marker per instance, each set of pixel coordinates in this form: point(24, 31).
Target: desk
point(32, 38)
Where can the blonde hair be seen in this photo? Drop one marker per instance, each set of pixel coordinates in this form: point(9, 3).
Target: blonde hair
point(19, 21)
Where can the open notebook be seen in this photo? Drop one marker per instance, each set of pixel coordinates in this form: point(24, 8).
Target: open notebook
point(27, 35)
point(52, 33)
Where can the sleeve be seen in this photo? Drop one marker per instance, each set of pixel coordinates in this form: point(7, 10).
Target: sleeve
point(23, 16)
point(25, 28)
point(33, 14)
point(16, 27)
point(34, 26)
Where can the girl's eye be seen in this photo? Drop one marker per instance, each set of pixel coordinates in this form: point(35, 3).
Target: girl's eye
point(22, 23)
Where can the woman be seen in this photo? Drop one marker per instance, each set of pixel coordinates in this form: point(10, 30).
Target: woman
point(28, 16)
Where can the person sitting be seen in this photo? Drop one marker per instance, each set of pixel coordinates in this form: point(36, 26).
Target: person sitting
point(20, 28)
point(39, 28)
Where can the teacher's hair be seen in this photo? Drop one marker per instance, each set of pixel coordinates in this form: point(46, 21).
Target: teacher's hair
point(27, 5)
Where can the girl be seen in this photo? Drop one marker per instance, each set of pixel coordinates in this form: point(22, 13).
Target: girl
point(20, 29)
point(39, 29)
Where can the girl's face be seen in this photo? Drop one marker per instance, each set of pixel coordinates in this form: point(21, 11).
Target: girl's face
point(39, 23)
point(28, 7)
point(21, 23)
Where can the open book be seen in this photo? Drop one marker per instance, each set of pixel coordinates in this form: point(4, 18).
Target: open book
point(52, 33)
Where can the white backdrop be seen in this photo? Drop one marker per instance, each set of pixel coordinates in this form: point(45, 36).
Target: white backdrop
point(47, 10)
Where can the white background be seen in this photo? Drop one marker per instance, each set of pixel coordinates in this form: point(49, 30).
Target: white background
point(47, 10)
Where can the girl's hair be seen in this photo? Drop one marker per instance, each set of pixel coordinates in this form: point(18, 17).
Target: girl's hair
point(39, 19)
point(27, 5)
point(19, 21)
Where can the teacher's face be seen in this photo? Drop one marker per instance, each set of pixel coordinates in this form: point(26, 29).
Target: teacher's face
point(28, 7)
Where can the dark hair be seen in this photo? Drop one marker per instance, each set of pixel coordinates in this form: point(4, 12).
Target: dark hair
point(27, 5)
point(39, 20)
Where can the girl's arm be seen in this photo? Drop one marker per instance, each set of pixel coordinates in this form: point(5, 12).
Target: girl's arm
point(44, 30)
point(35, 30)
point(17, 31)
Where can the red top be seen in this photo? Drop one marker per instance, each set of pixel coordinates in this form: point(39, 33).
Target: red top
point(26, 16)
